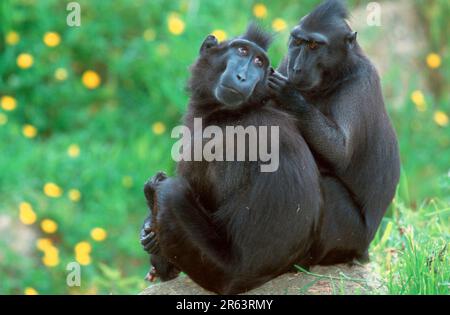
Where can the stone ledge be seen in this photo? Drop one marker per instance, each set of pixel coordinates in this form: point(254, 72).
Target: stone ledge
point(338, 279)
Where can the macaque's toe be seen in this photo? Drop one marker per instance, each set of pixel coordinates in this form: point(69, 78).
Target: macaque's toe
point(151, 275)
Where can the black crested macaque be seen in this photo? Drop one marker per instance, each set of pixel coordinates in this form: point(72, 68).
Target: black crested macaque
point(334, 92)
point(226, 224)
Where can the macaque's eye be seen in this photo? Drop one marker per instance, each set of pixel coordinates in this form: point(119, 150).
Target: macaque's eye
point(313, 45)
point(242, 51)
point(297, 41)
point(258, 61)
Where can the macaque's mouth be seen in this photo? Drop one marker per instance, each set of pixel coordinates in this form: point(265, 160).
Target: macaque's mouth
point(300, 83)
point(232, 90)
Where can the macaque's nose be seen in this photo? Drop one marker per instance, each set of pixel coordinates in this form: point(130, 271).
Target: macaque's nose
point(241, 77)
point(297, 68)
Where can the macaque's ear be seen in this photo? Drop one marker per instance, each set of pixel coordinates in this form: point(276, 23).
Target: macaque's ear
point(209, 42)
point(351, 39)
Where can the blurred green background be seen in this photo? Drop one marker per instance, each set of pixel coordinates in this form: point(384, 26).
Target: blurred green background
point(86, 114)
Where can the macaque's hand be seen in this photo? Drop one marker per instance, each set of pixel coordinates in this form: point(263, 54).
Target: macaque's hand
point(148, 237)
point(277, 82)
point(285, 93)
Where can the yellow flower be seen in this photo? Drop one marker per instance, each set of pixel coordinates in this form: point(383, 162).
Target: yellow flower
point(220, 35)
point(52, 39)
point(419, 100)
point(3, 119)
point(127, 181)
point(434, 61)
point(12, 38)
point(175, 24)
point(30, 291)
point(24, 60)
point(73, 151)
point(260, 10)
point(278, 25)
point(9, 103)
point(98, 234)
point(29, 131)
point(91, 79)
point(50, 261)
point(44, 244)
point(61, 74)
point(51, 256)
point(49, 226)
point(441, 118)
point(83, 248)
point(158, 128)
point(82, 251)
point(83, 259)
point(51, 251)
point(149, 35)
point(52, 190)
point(26, 213)
point(74, 195)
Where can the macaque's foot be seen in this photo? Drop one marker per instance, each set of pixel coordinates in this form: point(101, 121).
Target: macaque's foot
point(359, 260)
point(150, 187)
point(161, 268)
point(363, 258)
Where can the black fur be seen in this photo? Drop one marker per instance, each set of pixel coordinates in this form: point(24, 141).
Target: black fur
point(229, 226)
point(336, 96)
point(259, 36)
point(332, 11)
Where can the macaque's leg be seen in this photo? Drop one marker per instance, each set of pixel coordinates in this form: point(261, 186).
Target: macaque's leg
point(161, 267)
point(343, 236)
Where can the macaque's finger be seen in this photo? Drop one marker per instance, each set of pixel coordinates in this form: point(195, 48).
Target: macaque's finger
point(147, 226)
point(274, 86)
point(279, 76)
point(147, 238)
point(152, 247)
point(151, 275)
point(144, 233)
point(156, 250)
point(277, 81)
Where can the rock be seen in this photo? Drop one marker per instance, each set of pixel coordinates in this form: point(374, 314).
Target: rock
point(18, 237)
point(338, 279)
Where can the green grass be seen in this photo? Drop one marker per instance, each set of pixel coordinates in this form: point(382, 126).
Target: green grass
point(410, 253)
point(412, 249)
point(143, 83)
